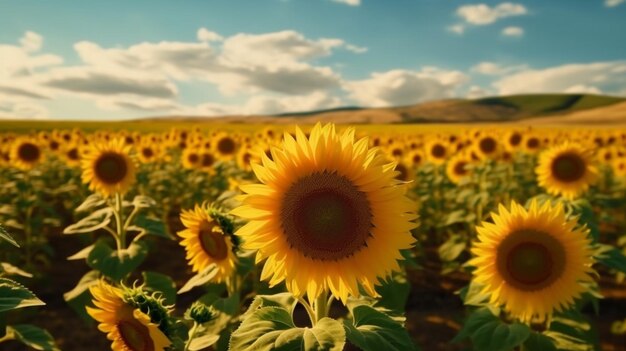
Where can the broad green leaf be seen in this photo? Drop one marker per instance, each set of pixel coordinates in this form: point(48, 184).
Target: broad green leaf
point(201, 278)
point(142, 201)
point(6, 236)
point(88, 280)
point(96, 220)
point(113, 264)
point(149, 225)
point(82, 254)
point(283, 300)
point(489, 332)
point(394, 292)
point(611, 257)
point(92, 201)
point(373, 330)
point(271, 328)
point(201, 342)
point(13, 295)
point(537, 341)
point(32, 336)
point(157, 282)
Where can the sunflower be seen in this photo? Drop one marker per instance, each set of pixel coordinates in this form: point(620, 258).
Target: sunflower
point(487, 147)
point(437, 151)
point(126, 326)
point(532, 261)
point(108, 168)
point(72, 155)
point(207, 161)
point(245, 155)
point(566, 170)
point(415, 158)
point(148, 152)
point(26, 153)
point(191, 158)
point(224, 146)
point(456, 168)
point(206, 243)
point(328, 207)
point(532, 144)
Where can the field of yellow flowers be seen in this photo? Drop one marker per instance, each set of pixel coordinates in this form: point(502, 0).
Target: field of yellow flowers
point(320, 237)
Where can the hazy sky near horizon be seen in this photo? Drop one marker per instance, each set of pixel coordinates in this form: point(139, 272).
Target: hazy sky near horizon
point(117, 59)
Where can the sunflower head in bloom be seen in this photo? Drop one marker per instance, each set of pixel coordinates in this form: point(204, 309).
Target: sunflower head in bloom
point(328, 216)
point(487, 147)
point(566, 170)
point(207, 241)
point(533, 261)
point(26, 153)
point(121, 317)
point(437, 151)
point(456, 168)
point(225, 146)
point(108, 167)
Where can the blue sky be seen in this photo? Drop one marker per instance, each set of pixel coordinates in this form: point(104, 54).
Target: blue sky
point(127, 59)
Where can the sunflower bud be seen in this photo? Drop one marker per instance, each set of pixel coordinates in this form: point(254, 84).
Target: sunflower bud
point(200, 312)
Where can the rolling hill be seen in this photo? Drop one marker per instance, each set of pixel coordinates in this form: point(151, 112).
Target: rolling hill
point(541, 108)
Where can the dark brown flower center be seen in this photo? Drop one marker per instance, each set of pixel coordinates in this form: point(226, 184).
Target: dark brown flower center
point(530, 260)
point(404, 172)
point(111, 168)
point(568, 167)
point(487, 145)
point(212, 241)
point(135, 335)
point(73, 154)
point(532, 143)
point(226, 146)
point(326, 217)
point(54, 145)
point(438, 151)
point(28, 152)
point(459, 168)
point(147, 152)
point(515, 139)
point(193, 158)
point(397, 152)
point(417, 159)
point(207, 160)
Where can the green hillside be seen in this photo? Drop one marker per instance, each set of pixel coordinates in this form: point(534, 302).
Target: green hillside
point(541, 104)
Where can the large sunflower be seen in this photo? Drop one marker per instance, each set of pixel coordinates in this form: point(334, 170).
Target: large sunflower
point(330, 214)
point(127, 327)
point(566, 170)
point(26, 153)
point(532, 262)
point(206, 243)
point(108, 167)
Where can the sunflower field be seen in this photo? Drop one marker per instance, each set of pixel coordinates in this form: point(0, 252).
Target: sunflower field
point(324, 237)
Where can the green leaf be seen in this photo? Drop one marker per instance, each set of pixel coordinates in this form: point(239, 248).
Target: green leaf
point(537, 341)
point(373, 330)
point(92, 201)
point(489, 332)
point(84, 253)
point(201, 342)
point(150, 225)
point(611, 257)
point(157, 282)
point(457, 216)
point(12, 270)
point(142, 201)
point(13, 295)
point(394, 292)
point(452, 248)
point(283, 300)
point(88, 280)
point(113, 264)
point(271, 328)
point(201, 278)
point(6, 236)
point(32, 336)
point(96, 220)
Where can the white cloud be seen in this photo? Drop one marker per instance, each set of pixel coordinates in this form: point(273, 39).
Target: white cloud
point(513, 31)
point(612, 3)
point(22, 110)
point(403, 87)
point(495, 69)
point(349, 2)
point(356, 49)
point(31, 41)
point(583, 89)
point(205, 35)
point(457, 28)
point(597, 77)
point(481, 14)
point(275, 105)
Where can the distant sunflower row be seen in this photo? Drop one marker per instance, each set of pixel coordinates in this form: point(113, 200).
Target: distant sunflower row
point(568, 160)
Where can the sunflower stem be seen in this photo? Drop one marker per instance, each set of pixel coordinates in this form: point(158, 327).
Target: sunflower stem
point(321, 306)
point(192, 333)
point(121, 232)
